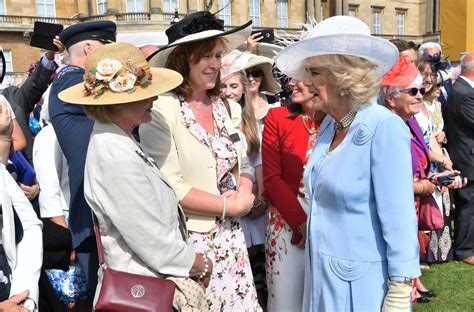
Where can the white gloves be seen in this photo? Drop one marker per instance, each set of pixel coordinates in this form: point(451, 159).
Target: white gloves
point(398, 297)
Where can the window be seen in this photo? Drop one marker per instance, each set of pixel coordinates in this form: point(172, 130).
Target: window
point(377, 21)
point(170, 6)
point(255, 12)
point(282, 13)
point(352, 10)
point(135, 6)
point(101, 7)
point(3, 7)
point(225, 11)
point(45, 8)
point(8, 60)
point(400, 23)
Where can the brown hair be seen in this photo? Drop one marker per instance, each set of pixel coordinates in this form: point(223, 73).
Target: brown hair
point(101, 113)
point(192, 52)
point(403, 45)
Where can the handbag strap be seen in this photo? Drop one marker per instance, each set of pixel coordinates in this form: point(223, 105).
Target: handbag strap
point(100, 249)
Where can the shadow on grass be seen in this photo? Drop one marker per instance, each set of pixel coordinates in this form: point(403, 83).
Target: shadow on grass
point(453, 283)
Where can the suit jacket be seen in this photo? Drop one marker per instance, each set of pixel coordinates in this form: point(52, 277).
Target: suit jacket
point(24, 98)
point(73, 129)
point(362, 218)
point(284, 146)
point(460, 127)
point(185, 161)
point(136, 208)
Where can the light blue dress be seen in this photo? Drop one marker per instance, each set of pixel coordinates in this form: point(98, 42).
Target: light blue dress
point(362, 226)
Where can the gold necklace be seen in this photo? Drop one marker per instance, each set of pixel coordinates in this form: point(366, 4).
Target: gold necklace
point(312, 130)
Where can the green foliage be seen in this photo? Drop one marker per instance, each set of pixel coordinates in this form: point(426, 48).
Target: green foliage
point(453, 283)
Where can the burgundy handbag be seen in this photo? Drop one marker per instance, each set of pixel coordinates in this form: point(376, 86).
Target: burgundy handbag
point(122, 291)
point(429, 215)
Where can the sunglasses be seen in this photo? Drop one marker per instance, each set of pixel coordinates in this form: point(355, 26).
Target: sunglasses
point(414, 91)
point(255, 73)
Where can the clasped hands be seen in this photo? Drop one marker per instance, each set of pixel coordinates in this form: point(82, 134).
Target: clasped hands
point(239, 203)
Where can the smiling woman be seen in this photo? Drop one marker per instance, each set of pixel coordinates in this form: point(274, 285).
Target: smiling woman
point(194, 141)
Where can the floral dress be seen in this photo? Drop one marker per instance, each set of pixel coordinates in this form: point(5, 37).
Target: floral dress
point(231, 287)
point(440, 243)
point(285, 262)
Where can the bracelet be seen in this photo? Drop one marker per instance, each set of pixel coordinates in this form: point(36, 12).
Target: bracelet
point(206, 270)
point(224, 208)
point(423, 190)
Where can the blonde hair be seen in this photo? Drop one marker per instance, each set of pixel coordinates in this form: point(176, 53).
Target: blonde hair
point(101, 113)
point(249, 121)
point(351, 75)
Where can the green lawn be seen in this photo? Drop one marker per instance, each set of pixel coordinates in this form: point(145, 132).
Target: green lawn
point(453, 282)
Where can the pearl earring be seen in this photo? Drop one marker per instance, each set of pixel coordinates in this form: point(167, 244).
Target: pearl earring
point(342, 93)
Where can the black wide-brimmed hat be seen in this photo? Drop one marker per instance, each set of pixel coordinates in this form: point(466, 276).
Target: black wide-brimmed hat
point(198, 26)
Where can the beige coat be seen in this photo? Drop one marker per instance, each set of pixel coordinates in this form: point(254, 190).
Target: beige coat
point(136, 208)
point(185, 161)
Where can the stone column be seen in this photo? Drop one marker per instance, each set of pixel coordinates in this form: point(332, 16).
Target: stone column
point(317, 10)
point(345, 7)
point(309, 9)
point(338, 7)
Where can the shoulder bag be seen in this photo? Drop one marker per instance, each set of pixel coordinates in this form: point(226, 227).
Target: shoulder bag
point(122, 291)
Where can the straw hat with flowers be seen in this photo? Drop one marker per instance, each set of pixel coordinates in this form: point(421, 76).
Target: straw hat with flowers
point(118, 73)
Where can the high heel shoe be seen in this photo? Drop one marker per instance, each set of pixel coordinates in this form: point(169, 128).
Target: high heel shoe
point(422, 300)
point(428, 293)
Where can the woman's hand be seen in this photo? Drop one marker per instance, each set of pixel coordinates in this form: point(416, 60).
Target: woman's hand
point(6, 125)
point(427, 187)
point(13, 303)
point(440, 137)
point(259, 208)
point(30, 191)
point(240, 203)
point(252, 42)
point(458, 182)
point(302, 229)
point(50, 54)
point(198, 269)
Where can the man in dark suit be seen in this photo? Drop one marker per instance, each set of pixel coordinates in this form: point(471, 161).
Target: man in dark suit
point(73, 130)
point(460, 133)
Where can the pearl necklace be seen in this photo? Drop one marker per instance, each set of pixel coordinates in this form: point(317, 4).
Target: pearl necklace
point(345, 121)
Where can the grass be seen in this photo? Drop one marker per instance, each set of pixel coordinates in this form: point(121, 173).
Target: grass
point(453, 283)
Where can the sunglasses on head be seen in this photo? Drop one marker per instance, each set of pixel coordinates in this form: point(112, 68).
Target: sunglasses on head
point(414, 91)
point(254, 73)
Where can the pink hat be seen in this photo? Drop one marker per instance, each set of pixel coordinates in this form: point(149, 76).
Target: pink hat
point(401, 74)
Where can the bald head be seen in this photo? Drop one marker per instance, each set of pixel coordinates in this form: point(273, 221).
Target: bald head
point(467, 65)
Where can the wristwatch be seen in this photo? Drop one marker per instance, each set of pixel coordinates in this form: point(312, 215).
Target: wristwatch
point(30, 305)
point(400, 279)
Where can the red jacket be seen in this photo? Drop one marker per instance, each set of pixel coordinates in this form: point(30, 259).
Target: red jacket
point(285, 141)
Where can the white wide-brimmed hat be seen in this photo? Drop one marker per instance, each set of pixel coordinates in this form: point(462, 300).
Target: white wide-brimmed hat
point(199, 26)
point(343, 35)
point(236, 61)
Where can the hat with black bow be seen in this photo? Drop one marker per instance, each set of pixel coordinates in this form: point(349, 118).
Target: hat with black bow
point(198, 26)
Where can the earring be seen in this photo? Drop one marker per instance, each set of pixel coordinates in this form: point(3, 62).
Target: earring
point(342, 93)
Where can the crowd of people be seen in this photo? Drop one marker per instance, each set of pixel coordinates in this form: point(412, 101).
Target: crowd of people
point(180, 178)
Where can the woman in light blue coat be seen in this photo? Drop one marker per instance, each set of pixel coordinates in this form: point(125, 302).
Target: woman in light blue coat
point(362, 229)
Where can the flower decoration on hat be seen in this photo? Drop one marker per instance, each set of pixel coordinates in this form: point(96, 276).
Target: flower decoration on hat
point(401, 74)
point(110, 74)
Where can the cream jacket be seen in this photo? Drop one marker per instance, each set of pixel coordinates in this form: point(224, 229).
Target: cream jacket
point(185, 161)
point(136, 208)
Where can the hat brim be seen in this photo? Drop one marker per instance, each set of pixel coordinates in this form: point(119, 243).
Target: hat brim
point(378, 51)
point(269, 82)
point(163, 80)
point(233, 38)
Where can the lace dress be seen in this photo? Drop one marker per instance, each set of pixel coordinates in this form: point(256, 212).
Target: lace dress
point(231, 287)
